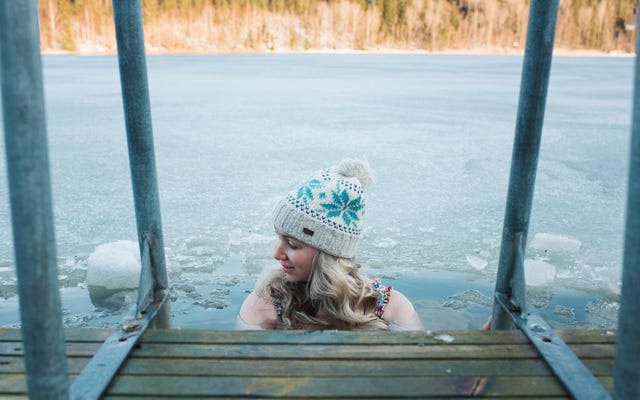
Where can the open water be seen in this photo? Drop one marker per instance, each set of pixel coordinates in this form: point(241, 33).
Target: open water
point(234, 132)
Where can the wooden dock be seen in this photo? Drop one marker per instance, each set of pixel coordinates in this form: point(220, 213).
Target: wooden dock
point(192, 364)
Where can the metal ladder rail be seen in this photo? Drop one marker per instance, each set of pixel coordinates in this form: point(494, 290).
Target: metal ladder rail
point(32, 215)
point(152, 305)
point(30, 199)
point(627, 373)
point(510, 307)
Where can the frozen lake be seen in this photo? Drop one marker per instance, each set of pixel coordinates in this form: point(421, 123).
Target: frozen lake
point(234, 132)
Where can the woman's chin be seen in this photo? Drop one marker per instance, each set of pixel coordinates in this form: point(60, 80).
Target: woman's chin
point(291, 278)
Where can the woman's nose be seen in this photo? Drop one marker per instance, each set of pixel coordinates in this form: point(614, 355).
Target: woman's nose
point(278, 252)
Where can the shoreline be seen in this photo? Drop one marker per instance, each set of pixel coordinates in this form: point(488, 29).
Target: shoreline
point(150, 51)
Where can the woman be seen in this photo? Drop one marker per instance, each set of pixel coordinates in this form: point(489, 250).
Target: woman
point(318, 286)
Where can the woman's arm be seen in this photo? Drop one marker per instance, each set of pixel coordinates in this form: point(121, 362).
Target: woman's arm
point(487, 325)
point(256, 313)
point(401, 315)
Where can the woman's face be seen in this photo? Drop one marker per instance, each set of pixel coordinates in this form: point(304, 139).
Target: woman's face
point(296, 258)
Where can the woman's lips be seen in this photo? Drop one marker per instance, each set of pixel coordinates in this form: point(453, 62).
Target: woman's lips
point(287, 270)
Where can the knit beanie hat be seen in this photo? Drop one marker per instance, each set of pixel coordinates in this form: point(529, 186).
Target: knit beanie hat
point(326, 211)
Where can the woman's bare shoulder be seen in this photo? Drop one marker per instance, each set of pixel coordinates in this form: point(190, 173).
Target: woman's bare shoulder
point(401, 313)
point(257, 312)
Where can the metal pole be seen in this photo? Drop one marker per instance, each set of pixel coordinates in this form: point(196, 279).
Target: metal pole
point(627, 373)
point(531, 106)
point(30, 197)
point(137, 110)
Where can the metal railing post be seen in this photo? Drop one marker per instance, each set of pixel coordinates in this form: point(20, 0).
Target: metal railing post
point(151, 307)
point(137, 110)
point(31, 203)
point(509, 308)
point(531, 106)
point(627, 374)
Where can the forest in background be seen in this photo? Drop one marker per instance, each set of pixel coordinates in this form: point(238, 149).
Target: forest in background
point(224, 26)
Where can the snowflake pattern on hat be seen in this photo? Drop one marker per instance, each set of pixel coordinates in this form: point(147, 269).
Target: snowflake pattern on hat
point(344, 207)
point(305, 192)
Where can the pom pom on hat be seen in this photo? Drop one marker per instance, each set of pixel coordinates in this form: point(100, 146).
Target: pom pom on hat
point(326, 211)
point(358, 169)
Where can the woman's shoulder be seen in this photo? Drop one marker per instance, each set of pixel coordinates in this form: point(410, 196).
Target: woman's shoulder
point(398, 305)
point(257, 312)
point(399, 311)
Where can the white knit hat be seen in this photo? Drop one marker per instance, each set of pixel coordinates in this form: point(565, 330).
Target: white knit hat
point(326, 211)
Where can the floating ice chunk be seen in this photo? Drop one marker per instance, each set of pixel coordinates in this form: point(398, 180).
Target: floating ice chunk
point(235, 237)
point(445, 338)
point(212, 304)
point(539, 298)
point(564, 311)
point(456, 304)
point(114, 266)
point(466, 299)
point(538, 272)
point(606, 309)
point(555, 243)
point(611, 277)
point(76, 321)
point(477, 262)
point(386, 243)
point(113, 273)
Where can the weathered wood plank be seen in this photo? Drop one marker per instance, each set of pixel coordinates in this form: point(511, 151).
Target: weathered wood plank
point(575, 336)
point(319, 368)
point(365, 387)
point(215, 367)
point(111, 397)
point(16, 365)
point(74, 349)
point(346, 352)
point(279, 351)
point(352, 352)
point(71, 335)
point(366, 337)
point(319, 337)
point(13, 384)
point(336, 368)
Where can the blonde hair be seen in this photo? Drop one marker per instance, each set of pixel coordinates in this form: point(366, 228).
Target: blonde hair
point(336, 296)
